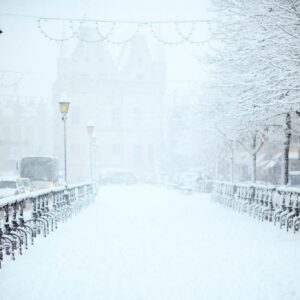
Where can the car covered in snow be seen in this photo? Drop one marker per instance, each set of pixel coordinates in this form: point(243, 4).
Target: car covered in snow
point(41, 170)
point(27, 184)
point(10, 186)
point(188, 182)
point(294, 178)
point(117, 176)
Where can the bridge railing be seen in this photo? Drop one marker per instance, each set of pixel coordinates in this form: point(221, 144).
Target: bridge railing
point(23, 217)
point(279, 205)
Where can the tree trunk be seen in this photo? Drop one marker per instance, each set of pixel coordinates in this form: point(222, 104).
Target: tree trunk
point(286, 149)
point(254, 167)
point(254, 154)
point(217, 166)
point(231, 162)
point(203, 176)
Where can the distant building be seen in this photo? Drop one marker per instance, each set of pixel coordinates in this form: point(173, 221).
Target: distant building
point(182, 134)
point(26, 129)
point(124, 100)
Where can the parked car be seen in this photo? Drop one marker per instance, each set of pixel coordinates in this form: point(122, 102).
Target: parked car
point(172, 181)
point(187, 181)
point(117, 177)
point(294, 179)
point(27, 184)
point(41, 170)
point(10, 186)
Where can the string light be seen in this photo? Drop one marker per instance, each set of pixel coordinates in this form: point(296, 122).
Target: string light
point(108, 37)
point(189, 36)
point(183, 38)
point(136, 31)
point(159, 39)
point(112, 28)
point(99, 33)
point(190, 33)
point(43, 32)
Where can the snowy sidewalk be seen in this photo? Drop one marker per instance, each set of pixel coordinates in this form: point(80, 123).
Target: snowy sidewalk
point(147, 243)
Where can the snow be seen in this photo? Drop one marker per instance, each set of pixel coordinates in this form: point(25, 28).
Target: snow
point(270, 164)
point(147, 243)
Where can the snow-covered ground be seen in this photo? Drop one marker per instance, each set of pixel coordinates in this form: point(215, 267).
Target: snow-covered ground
point(148, 243)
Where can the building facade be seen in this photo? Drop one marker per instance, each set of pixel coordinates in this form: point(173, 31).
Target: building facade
point(123, 99)
point(26, 130)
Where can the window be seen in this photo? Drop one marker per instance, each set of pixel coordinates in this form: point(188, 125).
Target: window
point(75, 149)
point(139, 76)
point(116, 117)
point(7, 132)
point(137, 116)
point(138, 153)
point(150, 153)
point(17, 133)
point(75, 115)
point(116, 150)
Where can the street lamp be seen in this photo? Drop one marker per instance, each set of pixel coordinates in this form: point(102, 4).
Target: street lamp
point(90, 130)
point(95, 162)
point(64, 108)
point(94, 143)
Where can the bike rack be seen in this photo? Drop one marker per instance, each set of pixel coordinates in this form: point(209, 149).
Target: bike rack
point(279, 205)
point(44, 210)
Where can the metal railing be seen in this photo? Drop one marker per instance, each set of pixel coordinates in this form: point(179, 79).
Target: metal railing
point(23, 217)
point(279, 205)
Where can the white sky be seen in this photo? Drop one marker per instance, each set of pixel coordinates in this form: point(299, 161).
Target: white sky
point(23, 48)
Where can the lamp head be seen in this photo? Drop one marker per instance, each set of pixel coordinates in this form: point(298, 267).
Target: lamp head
point(90, 128)
point(64, 107)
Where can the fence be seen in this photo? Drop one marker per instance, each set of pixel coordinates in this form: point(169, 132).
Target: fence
point(24, 217)
point(279, 205)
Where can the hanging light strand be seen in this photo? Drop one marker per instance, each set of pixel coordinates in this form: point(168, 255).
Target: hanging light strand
point(188, 37)
point(183, 38)
point(105, 20)
point(127, 40)
point(109, 36)
point(161, 40)
point(46, 35)
point(110, 32)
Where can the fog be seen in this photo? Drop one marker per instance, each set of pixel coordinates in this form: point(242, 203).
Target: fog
point(162, 140)
point(132, 92)
point(171, 88)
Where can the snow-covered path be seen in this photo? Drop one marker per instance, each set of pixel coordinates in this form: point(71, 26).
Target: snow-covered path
point(147, 243)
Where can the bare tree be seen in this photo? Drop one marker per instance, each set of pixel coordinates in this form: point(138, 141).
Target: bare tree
point(256, 62)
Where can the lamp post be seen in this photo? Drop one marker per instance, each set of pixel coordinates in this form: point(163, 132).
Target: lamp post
point(94, 143)
point(90, 130)
point(64, 108)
